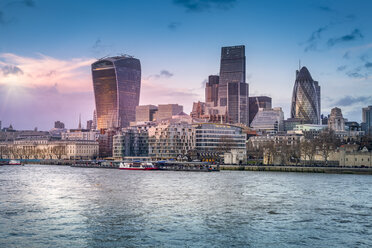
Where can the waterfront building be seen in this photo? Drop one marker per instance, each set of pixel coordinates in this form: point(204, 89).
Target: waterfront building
point(49, 149)
point(259, 142)
point(353, 156)
point(336, 122)
point(58, 124)
point(105, 141)
point(232, 69)
point(306, 98)
point(211, 89)
point(132, 142)
point(166, 111)
point(171, 140)
point(145, 113)
point(257, 102)
point(116, 84)
point(80, 134)
point(215, 140)
point(238, 102)
point(367, 120)
point(269, 120)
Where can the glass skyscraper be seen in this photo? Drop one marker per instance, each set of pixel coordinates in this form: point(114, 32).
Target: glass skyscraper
point(306, 98)
point(238, 103)
point(232, 70)
point(116, 84)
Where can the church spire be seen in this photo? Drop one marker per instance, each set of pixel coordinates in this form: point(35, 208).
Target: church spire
point(79, 121)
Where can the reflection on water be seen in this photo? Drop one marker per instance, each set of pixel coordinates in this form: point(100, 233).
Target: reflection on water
point(51, 206)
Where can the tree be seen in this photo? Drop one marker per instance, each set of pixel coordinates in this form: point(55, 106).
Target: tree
point(327, 142)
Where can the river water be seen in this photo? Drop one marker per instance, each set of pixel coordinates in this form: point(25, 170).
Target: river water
point(60, 206)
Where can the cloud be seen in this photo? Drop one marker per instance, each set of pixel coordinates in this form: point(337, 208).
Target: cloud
point(174, 25)
point(368, 65)
point(325, 8)
point(350, 100)
point(11, 70)
point(346, 55)
point(354, 35)
point(341, 68)
point(70, 75)
point(162, 74)
point(312, 42)
point(16, 4)
point(205, 5)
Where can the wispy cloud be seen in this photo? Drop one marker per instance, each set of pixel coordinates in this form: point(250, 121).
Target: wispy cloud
point(161, 74)
point(70, 75)
point(350, 100)
point(174, 26)
point(205, 5)
point(312, 42)
point(15, 4)
point(354, 35)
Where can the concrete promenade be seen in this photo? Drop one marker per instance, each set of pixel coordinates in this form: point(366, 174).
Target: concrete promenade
point(307, 169)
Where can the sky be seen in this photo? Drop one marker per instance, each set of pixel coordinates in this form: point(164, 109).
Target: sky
point(47, 47)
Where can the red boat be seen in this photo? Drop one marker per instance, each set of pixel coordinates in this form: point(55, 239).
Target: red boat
point(137, 166)
point(14, 162)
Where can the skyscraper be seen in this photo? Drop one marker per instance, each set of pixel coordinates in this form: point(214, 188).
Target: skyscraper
point(367, 120)
point(211, 89)
point(306, 98)
point(238, 102)
point(232, 69)
point(116, 83)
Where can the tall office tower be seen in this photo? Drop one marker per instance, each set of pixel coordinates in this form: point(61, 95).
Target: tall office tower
point(117, 84)
point(232, 69)
point(145, 112)
point(367, 120)
point(238, 102)
point(306, 98)
point(257, 102)
point(211, 89)
point(58, 124)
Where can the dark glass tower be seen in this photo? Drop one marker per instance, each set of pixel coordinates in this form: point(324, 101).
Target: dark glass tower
point(211, 90)
point(306, 98)
point(238, 103)
point(116, 84)
point(232, 70)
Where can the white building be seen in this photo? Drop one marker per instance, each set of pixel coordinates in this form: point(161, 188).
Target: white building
point(80, 134)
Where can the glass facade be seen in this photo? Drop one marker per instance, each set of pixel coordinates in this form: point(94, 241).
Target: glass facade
point(238, 103)
point(116, 84)
point(257, 102)
point(306, 98)
point(216, 137)
point(232, 70)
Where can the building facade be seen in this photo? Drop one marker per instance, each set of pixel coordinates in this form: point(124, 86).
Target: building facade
point(336, 121)
point(166, 111)
point(171, 140)
point(306, 98)
point(269, 120)
point(257, 102)
point(145, 113)
point(116, 84)
point(211, 89)
point(367, 120)
point(232, 69)
point(238, 102)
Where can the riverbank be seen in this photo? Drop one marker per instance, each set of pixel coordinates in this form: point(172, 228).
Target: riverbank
point(276, 168)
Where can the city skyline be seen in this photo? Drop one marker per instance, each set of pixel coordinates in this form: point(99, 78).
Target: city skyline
point(45, 75)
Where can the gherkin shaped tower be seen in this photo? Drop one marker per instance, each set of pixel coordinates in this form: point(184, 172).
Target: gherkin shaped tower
point(306, 98)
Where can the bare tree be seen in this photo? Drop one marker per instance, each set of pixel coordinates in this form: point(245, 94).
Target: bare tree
point(327, 142)
point(59, 150)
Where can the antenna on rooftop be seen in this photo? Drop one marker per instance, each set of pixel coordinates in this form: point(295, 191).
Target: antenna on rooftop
point(299, 64)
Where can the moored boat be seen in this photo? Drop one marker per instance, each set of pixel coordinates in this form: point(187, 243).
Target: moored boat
point(136, 165)
point(14, 162)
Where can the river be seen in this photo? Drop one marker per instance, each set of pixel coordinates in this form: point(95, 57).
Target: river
point(60, 206)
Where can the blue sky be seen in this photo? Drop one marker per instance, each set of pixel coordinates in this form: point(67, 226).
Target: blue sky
point(46, 48)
